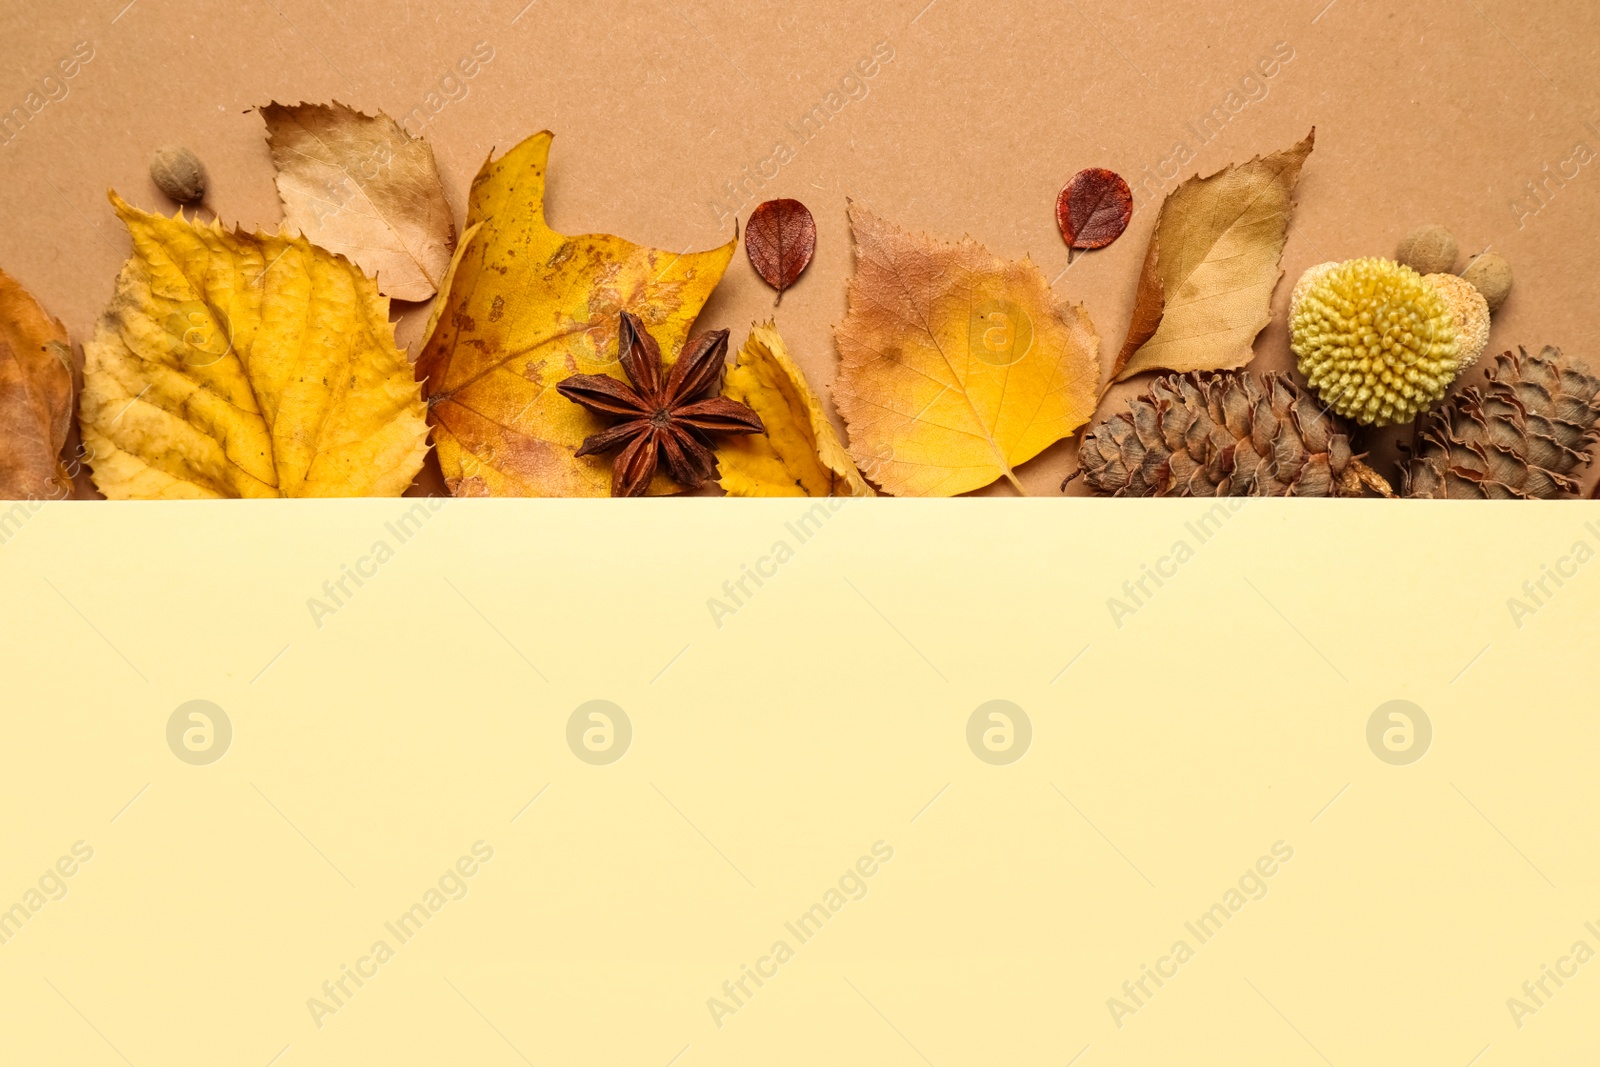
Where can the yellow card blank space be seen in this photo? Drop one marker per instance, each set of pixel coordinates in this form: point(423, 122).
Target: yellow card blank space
point(885, 782)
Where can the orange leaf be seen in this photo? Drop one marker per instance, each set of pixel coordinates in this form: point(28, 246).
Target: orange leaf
point(36, 396)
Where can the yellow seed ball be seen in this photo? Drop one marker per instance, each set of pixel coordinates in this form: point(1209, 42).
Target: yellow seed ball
point(1376, 384)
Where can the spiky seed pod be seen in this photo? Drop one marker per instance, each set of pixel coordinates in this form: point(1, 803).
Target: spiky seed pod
point(1379, 342)
point(1223, 435)
point(1519, 437)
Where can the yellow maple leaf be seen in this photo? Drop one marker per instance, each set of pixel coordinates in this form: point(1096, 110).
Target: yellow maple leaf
point(956, 366)
point(233, 364)
point(525, 307)
point(799, 454)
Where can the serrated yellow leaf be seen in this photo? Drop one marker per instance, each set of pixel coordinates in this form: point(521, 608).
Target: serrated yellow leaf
point(245, 365)
point(956, 366)
point(526, 307)
point(799, 454)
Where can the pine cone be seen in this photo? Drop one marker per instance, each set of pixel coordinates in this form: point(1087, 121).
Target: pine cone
point(1515, 439)
point(1226, 435)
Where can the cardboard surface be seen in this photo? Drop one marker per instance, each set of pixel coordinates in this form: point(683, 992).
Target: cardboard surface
point(1441, 112)
point(1208, 757)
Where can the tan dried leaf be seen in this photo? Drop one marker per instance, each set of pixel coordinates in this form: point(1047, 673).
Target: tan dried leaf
point(361, 186)
point(1206, 288)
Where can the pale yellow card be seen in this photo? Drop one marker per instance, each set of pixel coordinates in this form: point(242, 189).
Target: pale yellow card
point(688, 782)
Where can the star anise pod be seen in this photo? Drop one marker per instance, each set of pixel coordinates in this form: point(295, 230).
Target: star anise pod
point(669, 412)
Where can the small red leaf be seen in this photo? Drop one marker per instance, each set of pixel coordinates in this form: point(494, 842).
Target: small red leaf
point(1094, 208)
point(780, 240)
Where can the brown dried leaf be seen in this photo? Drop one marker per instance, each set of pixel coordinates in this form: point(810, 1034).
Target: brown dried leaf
point(1094, 208)
point(36, 392)
point(359, 185)
point(780, 241)
point(1206, 288)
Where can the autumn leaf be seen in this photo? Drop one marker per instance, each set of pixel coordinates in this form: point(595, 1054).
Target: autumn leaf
point(780, 240)
point(231, 364)
point(527, 307)
point(956, 366)
point(1093, 209)
point(1206, 287)
point(799, 454)
point(361, 186)
point(36, 386)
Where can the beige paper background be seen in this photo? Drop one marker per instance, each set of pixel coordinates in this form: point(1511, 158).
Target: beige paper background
point(828, 713)
point(1439, 111)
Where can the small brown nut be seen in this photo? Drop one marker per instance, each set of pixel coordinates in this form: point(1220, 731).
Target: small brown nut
point(1490, 274)
point(179, 173)
point(1428, 250)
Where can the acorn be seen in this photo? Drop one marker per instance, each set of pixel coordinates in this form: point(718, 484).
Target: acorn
point(1428, 250)
point(1379, 342)
point(1490, 274)
point(178, 173)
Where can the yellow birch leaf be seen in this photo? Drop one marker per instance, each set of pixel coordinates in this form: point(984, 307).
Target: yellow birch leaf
point(799, 454)
point(956, 366)
point(361, 186)
point(1206, 287)
point(525, 308)
point(231, 364)
point(36, 386)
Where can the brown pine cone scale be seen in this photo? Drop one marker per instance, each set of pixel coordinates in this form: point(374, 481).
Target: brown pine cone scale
point(1518, 437)
point(1223, 435)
